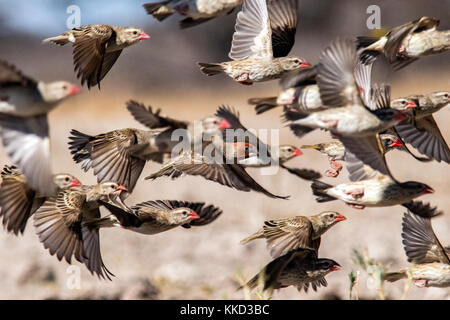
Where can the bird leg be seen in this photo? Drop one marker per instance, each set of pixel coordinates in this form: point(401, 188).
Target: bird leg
point(421, 283)
point(336, 165)
point(355, 193)
point(332, 173)
point(243, 79)
point(355, 206)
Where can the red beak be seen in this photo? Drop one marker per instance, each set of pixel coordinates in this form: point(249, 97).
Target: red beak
point(193, 215)
point(143, 36)
point(411, 104)
point(224, 124)
point(304, 64)
point(75, 183)
point(428, 190)
point(297, 152)
point(397, 143)
point(74, 90)
point(120, 189)
point(335, 267)
point(340, 218)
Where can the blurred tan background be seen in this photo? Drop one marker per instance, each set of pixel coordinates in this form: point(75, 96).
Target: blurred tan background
point(204, 263)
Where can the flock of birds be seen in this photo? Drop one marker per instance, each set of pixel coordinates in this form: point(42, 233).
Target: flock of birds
point(336, 95)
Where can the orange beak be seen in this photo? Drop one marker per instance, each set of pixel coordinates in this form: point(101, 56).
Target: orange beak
point(340, 218)
point(120, 189)
point(74, 90)
point(75, 183)
point(193, 215)
point(143, 36)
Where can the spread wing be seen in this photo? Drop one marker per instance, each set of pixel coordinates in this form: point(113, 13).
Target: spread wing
point(151, 119)
point(364, 157)
point(426, 137)
point(27, 142)
point(10, 76)
point(89, 53)
point(283, 22)
point(420, 243)
point(335, 74)
point(287, 234)
point(300, 77)
point(17, 200)
point(253, 35)
point(230, 175)
point(112, 160)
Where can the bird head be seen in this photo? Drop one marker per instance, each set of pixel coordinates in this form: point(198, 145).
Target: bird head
point(440, 98)
point(292, 63)
point(110, 188)
point(404, 104)
point(57, 91)
point(325, 220)
point(288, 152)
point(390, 141)
point(64, 181)
point(182, 216)
point(325, 266)
point(417, 188)
point(132, 35)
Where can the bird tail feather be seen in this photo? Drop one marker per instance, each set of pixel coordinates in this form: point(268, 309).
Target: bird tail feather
point(211, 69)
point(257, 235)
point(263, 104)
point(394, 276)
point(159, 10)
point(319, 190)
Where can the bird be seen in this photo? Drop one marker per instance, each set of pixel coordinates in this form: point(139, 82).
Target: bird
point(18, 201)
point(286, 234)
point(430, 262)
point(264, 35)
point(24, 128)
point(96, 48)
point(420, 128)
point(347, 113)
point(153, 217)
point(405, 44)
point(299, 91)
point(299, 267)
point(370, 187)
point(59, 224)
point(195, 11)
point(218, 163)
point(268, 154)
point(120, 155)
point(335, 151)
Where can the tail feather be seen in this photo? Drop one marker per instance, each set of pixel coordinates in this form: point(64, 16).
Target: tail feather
point(158, 10)
point(263, 104)
point(78, 146)
point(394, 276)
point(259, 234)
point(363, 42)
point(211, 69)
point(59, 40)
point(189, 22)
point(319, 190)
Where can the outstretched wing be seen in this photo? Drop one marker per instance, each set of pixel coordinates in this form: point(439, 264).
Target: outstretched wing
point(283, 22)
point(253, 35)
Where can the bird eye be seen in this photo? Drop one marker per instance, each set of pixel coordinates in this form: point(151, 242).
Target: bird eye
point(64, 87)
point(135, 32)
point(66, 179)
